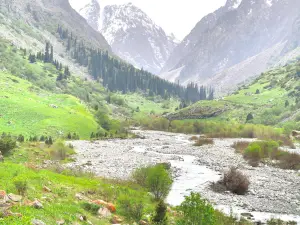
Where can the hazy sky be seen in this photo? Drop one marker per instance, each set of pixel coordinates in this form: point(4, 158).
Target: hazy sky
point(174, 16)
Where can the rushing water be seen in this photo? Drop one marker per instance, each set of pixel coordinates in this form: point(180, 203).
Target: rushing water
point(194, 177)
point(190, 176)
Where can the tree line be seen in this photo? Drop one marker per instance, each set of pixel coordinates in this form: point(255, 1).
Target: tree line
point(47, 57)
point(116, 75)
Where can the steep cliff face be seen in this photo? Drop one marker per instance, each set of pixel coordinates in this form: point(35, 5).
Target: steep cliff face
point(231, 38)
point(132, 35)
point(48, 14)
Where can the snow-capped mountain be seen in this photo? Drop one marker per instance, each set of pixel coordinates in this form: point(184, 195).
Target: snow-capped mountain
point(132, 35)
point(91, 12)
point(236, 42)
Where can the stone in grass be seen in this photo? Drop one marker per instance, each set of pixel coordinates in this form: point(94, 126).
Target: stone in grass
point(37, 222)
point(14, 198)
point(60, 222)
point(37, 204)
point(116, 220)
point(104, 212)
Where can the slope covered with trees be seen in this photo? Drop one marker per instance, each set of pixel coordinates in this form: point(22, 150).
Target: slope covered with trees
point(272, 99)
point(117, 75)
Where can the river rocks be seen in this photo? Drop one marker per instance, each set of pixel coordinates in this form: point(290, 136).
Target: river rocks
point(271, 189)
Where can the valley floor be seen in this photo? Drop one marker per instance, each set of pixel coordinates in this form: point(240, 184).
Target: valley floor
point(273, 192)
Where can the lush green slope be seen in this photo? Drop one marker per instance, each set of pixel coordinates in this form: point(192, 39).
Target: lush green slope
point(272, 99)
point(28, 110)
point(61, 203)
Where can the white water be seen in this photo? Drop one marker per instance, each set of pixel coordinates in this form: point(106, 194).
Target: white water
point(195, 177)
point(192, 178)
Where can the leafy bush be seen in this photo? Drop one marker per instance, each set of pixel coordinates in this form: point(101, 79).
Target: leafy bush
point(160, 216)
point(204, 141)
point(130, 207)
point(21, 186)
point(235, 181)
point(90, 207)
point(156, 179)
point(280, 222)
point(7, 143)
point(195, 210)
point(59, 151)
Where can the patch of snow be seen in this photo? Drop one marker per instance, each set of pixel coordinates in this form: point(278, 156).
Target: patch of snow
point(269, 2)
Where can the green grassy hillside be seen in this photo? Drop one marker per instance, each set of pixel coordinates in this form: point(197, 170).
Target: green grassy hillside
point(272, 99)
point(28, 110)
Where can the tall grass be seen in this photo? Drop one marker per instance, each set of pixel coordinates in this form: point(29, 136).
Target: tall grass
point(218, 129)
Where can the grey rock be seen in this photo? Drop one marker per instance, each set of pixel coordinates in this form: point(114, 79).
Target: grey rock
point(37, 222)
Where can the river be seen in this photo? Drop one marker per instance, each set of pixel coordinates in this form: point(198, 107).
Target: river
point(273, 193)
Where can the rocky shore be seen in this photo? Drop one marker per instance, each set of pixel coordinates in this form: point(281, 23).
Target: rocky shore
point(272, 190)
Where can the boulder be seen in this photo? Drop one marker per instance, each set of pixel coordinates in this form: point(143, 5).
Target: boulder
point(2, 194)
point(111, 207)
point(100, 202)
point(60, 222)
point(143, 222)
point(14, 198)
point(295, 135)
point(37, 222)
point(46, 189)
point(104, 212)
point(116, 220)
point(37, 204)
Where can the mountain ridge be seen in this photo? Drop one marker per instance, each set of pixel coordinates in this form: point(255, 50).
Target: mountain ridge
point(232, 34)
point(133, 35)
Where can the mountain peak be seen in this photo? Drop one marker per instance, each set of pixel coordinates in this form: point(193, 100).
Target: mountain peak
point(232, 4)
point(132, 34)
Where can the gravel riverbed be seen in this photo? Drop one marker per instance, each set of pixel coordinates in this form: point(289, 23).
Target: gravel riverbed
point(273, 191)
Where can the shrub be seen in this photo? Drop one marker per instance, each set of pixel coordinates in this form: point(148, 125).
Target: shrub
point(7, 143)
point(159, 182)
point(160, 216)
point(280, 222)
point(249, 117)
point(91, 207)
point(240, 146)
point(156, 179)
point(204, 141)
point(21, 186)
point(59, 151)
point(235, 181)
point(195, 210)
point(131, 207)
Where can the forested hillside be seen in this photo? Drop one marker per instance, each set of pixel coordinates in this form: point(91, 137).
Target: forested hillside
point(272, 99)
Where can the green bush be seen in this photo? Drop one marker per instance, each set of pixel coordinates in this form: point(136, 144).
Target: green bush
point(160, 216)
point(21, 186)
point(196, 210)
point(90, 207)
point(156, 179)
point(130, 207)
point(59, 151)
point(7, 144)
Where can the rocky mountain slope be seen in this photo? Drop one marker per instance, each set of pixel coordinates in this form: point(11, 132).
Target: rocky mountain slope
point(31, 23)
point(132, 35)
point(236, 42)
